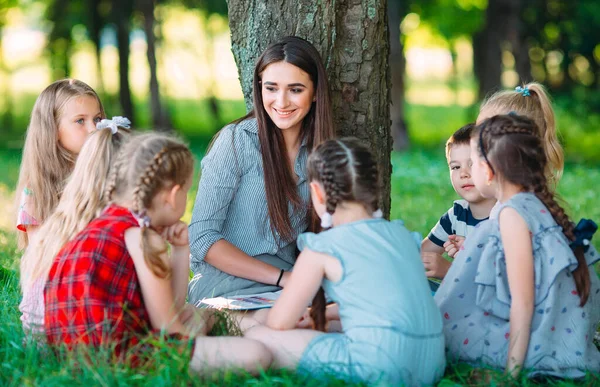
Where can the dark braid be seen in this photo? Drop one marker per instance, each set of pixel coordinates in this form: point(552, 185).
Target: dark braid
point(348, 172)
point(581, 275)
point(512, 147)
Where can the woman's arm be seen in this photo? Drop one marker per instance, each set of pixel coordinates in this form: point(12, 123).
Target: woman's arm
point(305, 280)
point(228, 258)
point(158, 295)
point(516, 241)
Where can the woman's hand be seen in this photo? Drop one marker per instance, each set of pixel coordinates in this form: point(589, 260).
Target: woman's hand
point(177, 234)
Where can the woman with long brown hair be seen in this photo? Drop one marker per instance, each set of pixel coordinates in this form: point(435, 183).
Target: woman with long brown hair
point(253, 196)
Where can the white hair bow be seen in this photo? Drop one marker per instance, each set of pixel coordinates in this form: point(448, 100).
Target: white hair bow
point(114, 124)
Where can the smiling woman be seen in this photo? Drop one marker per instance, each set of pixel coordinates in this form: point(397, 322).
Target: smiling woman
point(253, 197)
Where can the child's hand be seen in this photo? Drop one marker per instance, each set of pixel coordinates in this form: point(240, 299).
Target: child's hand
point(435, 265)
point(453, 244)
point(305, 322)
point(177, 234)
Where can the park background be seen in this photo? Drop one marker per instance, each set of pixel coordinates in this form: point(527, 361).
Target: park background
point(180, 76)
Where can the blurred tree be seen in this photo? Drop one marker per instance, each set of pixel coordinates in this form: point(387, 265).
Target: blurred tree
point(160, 116)
point(96, 21)
point(353, 40)
point(122, 11)
point(565, 50)
point(397, 9)
point(502, 19)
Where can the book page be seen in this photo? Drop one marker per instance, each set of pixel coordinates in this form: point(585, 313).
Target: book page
point(247, 302)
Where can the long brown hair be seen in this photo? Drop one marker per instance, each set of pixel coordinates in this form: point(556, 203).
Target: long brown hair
point(317, 127)
point(511, 146)
point(80, 202)
point(532, 100)
point(46, 164)
point(147, 164)
point(348, 172)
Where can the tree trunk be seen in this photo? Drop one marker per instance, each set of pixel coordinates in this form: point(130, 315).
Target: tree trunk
point(122, 15)
point(353, 39)
point(160, 118)
point(96, 24)
point(396, 11)
point(500, 16)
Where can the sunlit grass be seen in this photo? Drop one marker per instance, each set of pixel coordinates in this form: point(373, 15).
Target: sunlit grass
point(421, 192)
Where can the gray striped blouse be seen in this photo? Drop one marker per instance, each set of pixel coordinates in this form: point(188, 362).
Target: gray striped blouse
point(231, 204)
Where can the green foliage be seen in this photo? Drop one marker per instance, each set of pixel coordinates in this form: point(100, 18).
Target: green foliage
point(421, 192)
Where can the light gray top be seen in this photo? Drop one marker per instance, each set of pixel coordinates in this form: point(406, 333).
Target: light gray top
point(231, 200)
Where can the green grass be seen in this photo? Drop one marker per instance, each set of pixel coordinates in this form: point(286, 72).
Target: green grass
point(421, 192)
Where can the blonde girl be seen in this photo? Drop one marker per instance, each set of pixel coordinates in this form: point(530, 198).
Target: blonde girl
point(78, 205)
point(117, 281)
point(531, 100)
point(62, 117)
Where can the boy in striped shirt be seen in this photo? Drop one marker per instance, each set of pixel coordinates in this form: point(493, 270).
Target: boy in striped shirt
point(452, 228)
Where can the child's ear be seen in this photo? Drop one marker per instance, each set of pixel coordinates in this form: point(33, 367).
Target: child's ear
point(489, 174)
point(317, 192)
point(172, 195)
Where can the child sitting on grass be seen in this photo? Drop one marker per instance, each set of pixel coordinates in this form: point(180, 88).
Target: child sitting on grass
point(370, 268)
point(449, 232)
point(117, 281)
point(523, 294)
point(78, 205)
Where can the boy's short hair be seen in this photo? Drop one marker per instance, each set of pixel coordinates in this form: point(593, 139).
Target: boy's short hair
point(461, 137)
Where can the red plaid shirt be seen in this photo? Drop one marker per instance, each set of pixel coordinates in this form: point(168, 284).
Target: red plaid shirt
point(93, 295)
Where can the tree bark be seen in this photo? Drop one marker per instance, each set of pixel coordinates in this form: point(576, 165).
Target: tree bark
point(396, 11)
point(122, 11)
point(160, 119)
point(353, 39)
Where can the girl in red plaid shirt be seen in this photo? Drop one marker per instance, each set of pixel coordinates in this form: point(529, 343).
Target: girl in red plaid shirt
point(118, 282)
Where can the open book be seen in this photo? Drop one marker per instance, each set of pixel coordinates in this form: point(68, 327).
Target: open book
point(247, 302)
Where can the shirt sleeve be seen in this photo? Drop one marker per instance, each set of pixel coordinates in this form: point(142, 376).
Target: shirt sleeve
point(439, 233)
point(24, 217)
point(221, 172)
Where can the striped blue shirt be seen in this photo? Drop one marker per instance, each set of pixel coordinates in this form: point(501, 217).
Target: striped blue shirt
point(231, 201)
point(459, 220)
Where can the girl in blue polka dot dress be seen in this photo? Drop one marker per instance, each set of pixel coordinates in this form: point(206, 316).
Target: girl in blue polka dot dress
point(522, 295)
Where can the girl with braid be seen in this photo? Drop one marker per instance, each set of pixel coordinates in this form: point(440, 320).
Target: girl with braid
point(118, 281)
point(371, 269)
point(521, 296)
point(530, 100)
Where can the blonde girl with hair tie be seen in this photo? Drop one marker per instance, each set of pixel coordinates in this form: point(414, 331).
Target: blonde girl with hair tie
point(123, 278)
point(62, 117)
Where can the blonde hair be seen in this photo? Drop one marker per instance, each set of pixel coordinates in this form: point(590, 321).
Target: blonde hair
point(538, 107)
point(146, 165)
point(46, 164)
point(81, 201)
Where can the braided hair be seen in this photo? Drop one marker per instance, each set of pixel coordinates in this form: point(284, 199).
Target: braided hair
point(348, 172)
point(148, 164)
point(511, 146)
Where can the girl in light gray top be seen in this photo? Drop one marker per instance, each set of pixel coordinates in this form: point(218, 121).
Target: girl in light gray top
point(253, 197)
